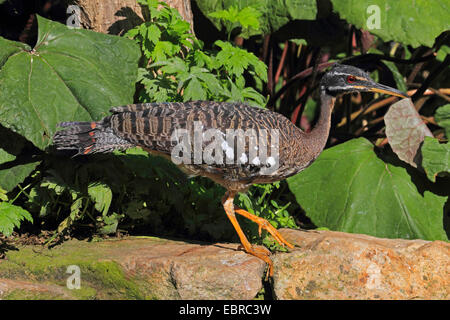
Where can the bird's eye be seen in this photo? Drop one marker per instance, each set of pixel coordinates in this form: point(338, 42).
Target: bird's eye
point(351, 79)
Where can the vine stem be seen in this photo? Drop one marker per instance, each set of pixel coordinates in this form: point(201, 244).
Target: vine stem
point(22, 190)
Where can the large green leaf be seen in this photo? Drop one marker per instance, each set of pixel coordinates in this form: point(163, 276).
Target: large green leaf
point(415, 23)
point(435, 158)
point(71, 74)
point(348, 188)
point(274, 13)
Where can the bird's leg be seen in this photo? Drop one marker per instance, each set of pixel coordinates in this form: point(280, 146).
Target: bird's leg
point(264, 224)
point(263, 254)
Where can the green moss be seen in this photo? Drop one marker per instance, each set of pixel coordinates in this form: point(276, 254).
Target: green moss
point(32, 295)
point(110, 276)
point(84, 293)
point(101, 277)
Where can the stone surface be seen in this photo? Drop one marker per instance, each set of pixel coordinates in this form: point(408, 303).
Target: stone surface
point(17, 289)
point(324, 265)
point(145, 268)
point(337, 265)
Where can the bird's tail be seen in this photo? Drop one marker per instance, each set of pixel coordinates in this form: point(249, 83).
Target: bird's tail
point(88, 137)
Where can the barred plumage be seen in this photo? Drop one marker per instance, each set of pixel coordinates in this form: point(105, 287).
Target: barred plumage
point(151, 126)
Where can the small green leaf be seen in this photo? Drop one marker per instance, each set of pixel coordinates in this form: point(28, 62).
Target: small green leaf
point(110, 223)
point(398, 77)
point(247, 17)
point(436, 158)
point(75, 208)
point(236, 60)
point(101, 194)
point(163, 49)
point(153, 33)
point(5, 156)
point(11, 216)
point(173, 66)
point(442, 52)
point(442, 117)
point(11, 177)
point(194, 91)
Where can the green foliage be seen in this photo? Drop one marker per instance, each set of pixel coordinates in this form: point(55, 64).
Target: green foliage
point(164, 35)
point(177, 68)
point(417, 23)
point(11, 217)
point(411, 24)
point(270, 14)
point(80, 68)
point(232, 17)
point(101, 194)
point(69, 75)
point(442, 52)
point(442, 118)
point(436, 158)
point(348, 188)
point(10, 177)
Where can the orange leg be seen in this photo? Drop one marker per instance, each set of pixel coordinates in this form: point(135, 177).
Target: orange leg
point(264, 224)
point(263, 254)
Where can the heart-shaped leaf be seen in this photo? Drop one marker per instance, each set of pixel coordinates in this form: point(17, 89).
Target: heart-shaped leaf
point(70, 74)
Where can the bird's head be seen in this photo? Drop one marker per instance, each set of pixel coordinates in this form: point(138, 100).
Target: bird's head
point(342, 79)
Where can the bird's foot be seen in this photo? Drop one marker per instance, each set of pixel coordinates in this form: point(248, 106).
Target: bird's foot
point(261, 253)
point(264, 224)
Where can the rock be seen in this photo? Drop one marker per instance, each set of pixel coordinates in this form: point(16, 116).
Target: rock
point(134, 268)
point(324, 265)
point(337, 265)
point(192, 271)
point(25, 290)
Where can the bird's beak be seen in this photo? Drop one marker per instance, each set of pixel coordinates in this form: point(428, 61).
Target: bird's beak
point(376, 87)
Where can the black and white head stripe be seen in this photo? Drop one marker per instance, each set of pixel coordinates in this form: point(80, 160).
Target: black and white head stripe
point(344, 78)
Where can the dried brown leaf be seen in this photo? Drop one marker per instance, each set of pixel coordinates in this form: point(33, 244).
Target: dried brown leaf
point(405, 130)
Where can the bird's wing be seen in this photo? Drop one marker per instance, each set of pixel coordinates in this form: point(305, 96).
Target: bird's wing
point(152, 126)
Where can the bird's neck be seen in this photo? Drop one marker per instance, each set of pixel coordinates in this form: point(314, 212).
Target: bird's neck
point(317, 138)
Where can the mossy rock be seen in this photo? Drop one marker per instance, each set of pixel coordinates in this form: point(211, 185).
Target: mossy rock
point(101, 276)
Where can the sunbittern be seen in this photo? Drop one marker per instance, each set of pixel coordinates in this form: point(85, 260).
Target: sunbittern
point(152, 127)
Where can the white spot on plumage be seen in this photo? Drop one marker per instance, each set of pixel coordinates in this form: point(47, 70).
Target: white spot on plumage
point(256, 161)
point(243, 158)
